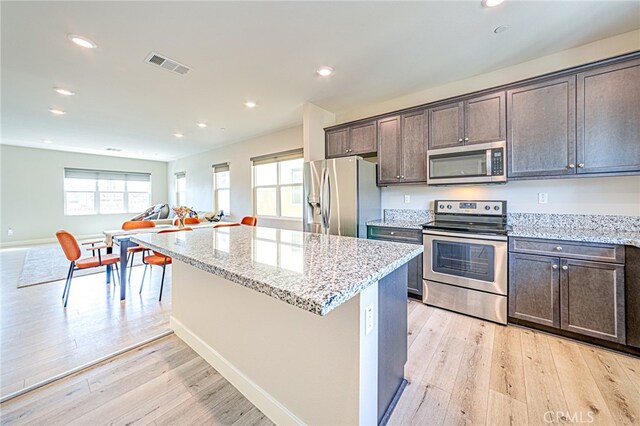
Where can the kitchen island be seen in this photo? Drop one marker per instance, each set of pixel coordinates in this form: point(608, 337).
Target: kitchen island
point(311, 328)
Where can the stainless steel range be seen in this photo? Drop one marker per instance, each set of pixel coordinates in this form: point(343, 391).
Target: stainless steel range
point(465, 258)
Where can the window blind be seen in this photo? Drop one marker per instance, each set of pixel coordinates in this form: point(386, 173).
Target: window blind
point(280, 156)
point(221, 167)
point(106, 175)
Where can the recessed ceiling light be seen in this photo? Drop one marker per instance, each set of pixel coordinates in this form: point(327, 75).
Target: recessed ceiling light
point(324, 71)
point(491, 3)
point(222, 129)
point(56, 111)
point(82, 41)
point(250, 104)
point(47, 141)
point(201, 125)
point(178, 135)
point(501, 29)
point(64, 92)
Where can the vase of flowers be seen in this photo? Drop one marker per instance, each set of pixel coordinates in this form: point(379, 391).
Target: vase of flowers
point(181, 213)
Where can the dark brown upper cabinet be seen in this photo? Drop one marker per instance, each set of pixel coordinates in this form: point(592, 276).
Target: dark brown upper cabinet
point(609, 119)
point(541, 138)
point(402, 154)
point(358, 139)
point(389, 150)
point(475, 120)
point(446, 125)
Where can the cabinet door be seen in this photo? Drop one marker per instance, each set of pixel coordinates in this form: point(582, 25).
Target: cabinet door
point(534, 289)
point(446, 127)
point(485, 119)
point(415, 276)
point(389, 150)
point(592, 295)
point(337, 143)
point(414, 147)
point(362, 139)
point(609, 119)
point(541, 125)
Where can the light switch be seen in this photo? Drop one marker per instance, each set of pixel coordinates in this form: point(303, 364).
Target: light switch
point(543, 197)
point(407, 199)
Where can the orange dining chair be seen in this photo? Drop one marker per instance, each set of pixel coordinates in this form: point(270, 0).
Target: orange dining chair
point(158, 259)
point(249, 220)
point(225, 224)
point(131, 251)
point(188, 221)
point(72, 251)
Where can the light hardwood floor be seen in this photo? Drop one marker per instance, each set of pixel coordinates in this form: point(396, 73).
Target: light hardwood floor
point(40, 339)
point(461, 371)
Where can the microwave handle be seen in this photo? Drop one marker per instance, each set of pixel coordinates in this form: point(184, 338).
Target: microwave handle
point(489, 163)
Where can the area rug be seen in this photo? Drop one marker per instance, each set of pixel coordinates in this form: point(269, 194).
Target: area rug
point(45, 264)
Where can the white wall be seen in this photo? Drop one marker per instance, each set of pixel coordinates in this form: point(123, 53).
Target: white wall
point(609, 195)
point(614, 195)
point(200, 175)
point(32, 197)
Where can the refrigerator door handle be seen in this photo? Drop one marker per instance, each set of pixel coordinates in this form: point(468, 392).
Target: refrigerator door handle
point(323, 216)
point(329, 200)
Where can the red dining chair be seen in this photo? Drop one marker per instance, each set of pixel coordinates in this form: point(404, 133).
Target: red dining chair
point(72, 251)
point(131, 251)
point(158, 259)
point(249, 220)
point(188, 221)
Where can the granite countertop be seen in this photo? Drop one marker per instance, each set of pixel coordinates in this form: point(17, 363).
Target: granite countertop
point(313, 272)
point(631, 238)
point(407, 224)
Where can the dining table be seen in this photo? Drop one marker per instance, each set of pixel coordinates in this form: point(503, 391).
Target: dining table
point(122, 239)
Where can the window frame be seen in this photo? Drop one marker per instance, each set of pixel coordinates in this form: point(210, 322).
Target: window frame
point(96, 191)
point(180, 175)
point(221, 168)
point(278, 159)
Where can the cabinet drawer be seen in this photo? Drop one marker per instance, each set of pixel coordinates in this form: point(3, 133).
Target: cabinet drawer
point(395, 234)
point(573, 249)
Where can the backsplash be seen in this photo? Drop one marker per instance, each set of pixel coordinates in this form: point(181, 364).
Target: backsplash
point(615, 223)
point(408, 215)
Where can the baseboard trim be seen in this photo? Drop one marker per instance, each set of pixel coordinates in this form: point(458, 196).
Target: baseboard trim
point(266, 403)
point(84, 367)
point(7, 244)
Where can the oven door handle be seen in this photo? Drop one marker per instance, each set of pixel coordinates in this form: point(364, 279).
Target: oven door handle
point(468, 237)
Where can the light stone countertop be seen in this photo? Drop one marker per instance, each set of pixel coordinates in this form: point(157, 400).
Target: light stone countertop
point(586, 235)
point(313, 272)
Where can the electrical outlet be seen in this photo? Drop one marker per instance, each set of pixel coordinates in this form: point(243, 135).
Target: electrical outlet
point(368, 319)
point(407, 199)
point(543, 197)
point(10, 232)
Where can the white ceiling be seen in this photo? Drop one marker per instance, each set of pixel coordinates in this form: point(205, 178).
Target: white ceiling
point(262, 51)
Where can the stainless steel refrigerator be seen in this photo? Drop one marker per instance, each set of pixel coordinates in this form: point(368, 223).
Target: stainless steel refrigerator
point(340, 196)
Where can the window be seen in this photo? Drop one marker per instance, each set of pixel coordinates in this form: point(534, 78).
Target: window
point(221, 188)
point(104, 192)
point(277, 185)
point(181, 189)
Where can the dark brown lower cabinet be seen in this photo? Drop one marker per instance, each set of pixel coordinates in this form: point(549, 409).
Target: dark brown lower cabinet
point(592, 299)
point(534, 289)
point(580, 296)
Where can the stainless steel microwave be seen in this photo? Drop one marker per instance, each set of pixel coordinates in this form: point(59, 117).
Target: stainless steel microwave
point(480, 163)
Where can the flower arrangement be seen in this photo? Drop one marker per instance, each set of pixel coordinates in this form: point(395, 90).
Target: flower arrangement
point(181, 213)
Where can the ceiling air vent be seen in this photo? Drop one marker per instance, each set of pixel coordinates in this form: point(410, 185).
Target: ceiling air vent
point(167, 64)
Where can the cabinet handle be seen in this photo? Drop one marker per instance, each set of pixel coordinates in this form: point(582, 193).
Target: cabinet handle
point(401, 177)
point(459, 140)
point(466, 139)
point(581, 165)
point(346, 151)
point(392, 233)
point(555, 266)
point(397, 177)
point(559, 248)
point(565, 267)
point(571, 166)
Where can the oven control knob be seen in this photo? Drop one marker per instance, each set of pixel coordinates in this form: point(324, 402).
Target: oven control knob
point(487, 207)
point(442, 206)
point(449, 206)
point(496, 208)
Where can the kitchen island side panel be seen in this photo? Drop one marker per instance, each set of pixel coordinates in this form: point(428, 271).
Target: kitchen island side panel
point(295, 366)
